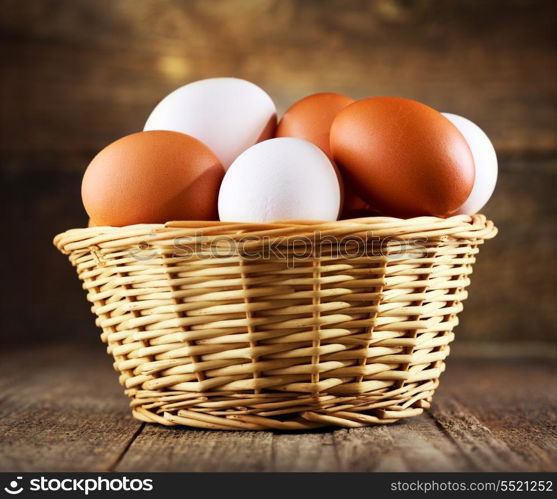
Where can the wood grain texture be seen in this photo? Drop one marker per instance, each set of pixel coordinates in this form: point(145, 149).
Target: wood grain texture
point(306, 452)
point(513, 295)
point(474, 439)
point(94, 70)
point(61, 410)
point(510, 404)
point(68, 413)
point(178, 449)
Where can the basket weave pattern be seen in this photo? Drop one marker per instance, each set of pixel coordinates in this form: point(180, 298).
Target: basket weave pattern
point(210, 334)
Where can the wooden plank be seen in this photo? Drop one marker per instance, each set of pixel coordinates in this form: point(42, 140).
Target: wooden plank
point(512, 295)
point(315, 451)
point(368, 449)
point(509, 406)
point(483, 449)
point(417, 445)
point(413, 445)
point(94, 70)
point(39, 205)
point(517, 349)
point(180, 449)
point(177, 449)
point(61, 410)
point(424, 447)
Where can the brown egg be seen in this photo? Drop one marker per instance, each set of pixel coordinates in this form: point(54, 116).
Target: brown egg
point(403, 157)
point(310, 118)
point(152, 177)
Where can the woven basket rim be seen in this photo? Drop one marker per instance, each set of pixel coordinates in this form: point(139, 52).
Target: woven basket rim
point(469, 227)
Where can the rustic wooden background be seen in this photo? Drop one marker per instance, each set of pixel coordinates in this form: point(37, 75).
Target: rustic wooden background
point(78, 74)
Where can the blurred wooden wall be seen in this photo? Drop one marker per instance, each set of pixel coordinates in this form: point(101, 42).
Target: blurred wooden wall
point(77, 74)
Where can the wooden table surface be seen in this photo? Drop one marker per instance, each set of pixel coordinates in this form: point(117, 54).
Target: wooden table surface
point(61, 409)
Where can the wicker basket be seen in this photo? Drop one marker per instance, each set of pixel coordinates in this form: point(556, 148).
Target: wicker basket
point(292, 325)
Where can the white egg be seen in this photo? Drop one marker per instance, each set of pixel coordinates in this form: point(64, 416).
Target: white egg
point(280, 179)
point(227, 114)
point(485, 160)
